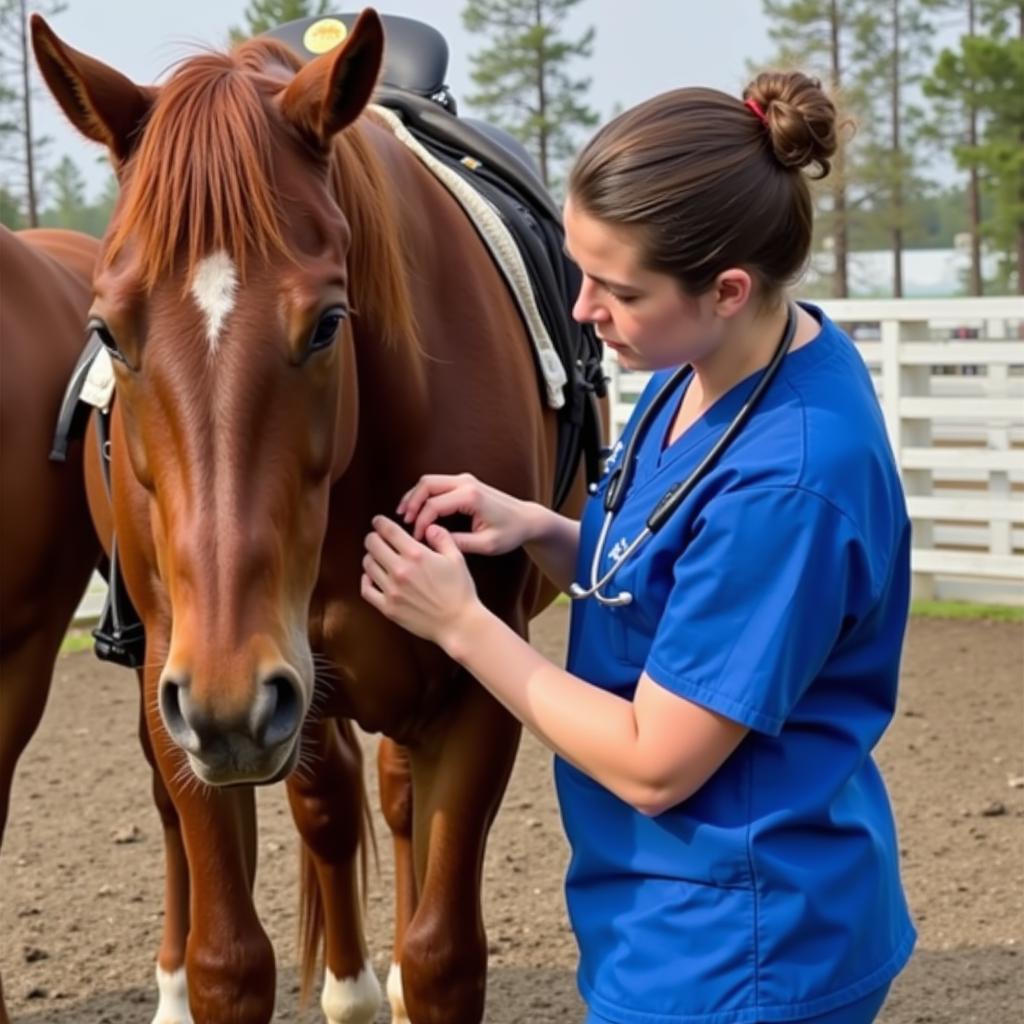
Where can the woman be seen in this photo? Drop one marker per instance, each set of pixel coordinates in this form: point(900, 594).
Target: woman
point(734, 856)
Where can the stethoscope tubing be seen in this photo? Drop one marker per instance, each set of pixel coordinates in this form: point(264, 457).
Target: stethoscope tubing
point(677, 494)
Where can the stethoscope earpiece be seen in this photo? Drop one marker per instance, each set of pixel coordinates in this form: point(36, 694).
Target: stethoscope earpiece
point(621, 475)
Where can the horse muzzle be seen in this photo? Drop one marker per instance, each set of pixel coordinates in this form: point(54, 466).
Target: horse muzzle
point(256, 744)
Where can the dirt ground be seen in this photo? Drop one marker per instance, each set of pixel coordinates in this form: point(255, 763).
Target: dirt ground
point(80, 911)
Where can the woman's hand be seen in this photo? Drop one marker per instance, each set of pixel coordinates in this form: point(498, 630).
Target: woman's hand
point(501, 523)
point(426, 590)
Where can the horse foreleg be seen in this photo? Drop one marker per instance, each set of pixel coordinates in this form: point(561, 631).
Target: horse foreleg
point(394, 779)
point(328, 802)
point(229, 961)
point(458, 782)
point(26, 667)
point(170, 961)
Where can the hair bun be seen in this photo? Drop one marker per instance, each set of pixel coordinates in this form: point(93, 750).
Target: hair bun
point(801, 118)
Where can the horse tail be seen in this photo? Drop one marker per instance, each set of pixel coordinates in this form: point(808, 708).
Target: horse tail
point(367, 835)
point(311, 923)
point(311, 909)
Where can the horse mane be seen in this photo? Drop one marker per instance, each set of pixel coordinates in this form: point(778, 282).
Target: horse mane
point(202, 180)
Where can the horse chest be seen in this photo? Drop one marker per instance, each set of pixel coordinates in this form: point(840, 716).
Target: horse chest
point(383, 678)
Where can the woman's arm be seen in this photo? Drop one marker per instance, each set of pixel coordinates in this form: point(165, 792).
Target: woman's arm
point(553, 544)
point(652, 752)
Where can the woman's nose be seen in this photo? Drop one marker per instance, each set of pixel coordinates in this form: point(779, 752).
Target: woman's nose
point(586, 309)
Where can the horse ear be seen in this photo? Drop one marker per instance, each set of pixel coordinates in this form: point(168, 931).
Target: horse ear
point(99, 101)
point(332, 90)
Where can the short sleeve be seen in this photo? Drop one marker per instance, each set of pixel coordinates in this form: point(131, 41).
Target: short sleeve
point(758, 602)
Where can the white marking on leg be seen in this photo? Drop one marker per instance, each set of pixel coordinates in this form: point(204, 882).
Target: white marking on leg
point(213, 287)
point(396, 997)
point(173, 1007)
point(351, 1000)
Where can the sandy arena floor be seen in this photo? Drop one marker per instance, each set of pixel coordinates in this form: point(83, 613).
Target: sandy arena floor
point(80, 912)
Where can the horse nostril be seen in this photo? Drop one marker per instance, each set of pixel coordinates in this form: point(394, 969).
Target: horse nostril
point(171, 697)
point(280, 710)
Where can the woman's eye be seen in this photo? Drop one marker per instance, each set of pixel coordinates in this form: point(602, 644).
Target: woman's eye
point(327, 329)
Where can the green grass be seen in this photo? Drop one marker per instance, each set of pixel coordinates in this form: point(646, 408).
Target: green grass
point(967, 610)
point(77, 640)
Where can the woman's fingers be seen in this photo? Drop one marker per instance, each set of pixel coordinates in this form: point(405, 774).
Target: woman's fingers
point(427, 487)
point(438, 505)
point(374, 571)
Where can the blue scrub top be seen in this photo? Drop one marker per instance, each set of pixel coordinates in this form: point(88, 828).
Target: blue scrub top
point(777, 596)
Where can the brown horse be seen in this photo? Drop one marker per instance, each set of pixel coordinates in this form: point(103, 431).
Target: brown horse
point(48, 547)
point(302, 323)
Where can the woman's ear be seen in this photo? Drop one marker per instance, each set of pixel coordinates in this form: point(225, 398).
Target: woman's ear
point(733, 289)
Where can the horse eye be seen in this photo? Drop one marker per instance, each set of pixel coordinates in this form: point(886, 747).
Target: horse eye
point(327, 329)
point(97, 326)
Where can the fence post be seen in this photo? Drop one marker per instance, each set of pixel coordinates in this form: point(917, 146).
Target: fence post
point(906, 381)
point(997, 384)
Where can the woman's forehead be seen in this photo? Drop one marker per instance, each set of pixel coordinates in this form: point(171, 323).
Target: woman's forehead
point(591, 240)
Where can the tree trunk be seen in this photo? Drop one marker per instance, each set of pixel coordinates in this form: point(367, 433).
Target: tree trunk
point(542, 101)
point(976, 285)
point(1020, 194)
point(897, 159)
point(32, 208)
point(840, 231)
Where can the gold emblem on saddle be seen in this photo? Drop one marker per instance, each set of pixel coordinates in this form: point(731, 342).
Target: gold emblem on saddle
point(324, 35)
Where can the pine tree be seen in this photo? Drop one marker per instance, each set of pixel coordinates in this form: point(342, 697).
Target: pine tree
point(892, 43)
point(819, 37)
point(10, 210)
point(524, 76)
point(263, 15)
point(21, 147)
point(953, 121)
point(987, 71)
point(68, 207)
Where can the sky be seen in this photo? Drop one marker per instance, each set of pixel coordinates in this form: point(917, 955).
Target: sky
point(641, 48)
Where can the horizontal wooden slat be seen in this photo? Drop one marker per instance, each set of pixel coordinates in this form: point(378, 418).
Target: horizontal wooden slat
point(965, 509)
point(961, 353)
point(963, 458)
point(960, 311)
point(962, 408)
point(962, 563)
point(973, 536)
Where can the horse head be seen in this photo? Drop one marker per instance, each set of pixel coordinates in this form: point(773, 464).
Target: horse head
point(223, 296)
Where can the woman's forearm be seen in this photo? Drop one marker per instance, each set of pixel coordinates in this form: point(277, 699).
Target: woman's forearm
point(553, 543)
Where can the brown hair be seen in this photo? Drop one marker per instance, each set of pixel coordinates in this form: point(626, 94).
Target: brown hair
point(709, 181)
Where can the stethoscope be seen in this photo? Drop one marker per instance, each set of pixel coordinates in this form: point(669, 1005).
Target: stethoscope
point(621, 476)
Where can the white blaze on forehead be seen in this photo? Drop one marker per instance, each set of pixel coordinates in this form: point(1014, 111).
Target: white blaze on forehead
point(213, 287)
point(351, 1000)
point(173, 1008)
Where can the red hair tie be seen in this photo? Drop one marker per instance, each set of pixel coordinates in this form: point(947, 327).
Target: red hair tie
point(757, 109)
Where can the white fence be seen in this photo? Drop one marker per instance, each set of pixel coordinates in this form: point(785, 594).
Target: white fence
point(950, 377)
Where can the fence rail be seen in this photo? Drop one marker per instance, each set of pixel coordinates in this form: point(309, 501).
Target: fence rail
point(949, 374)
point(950, 378)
